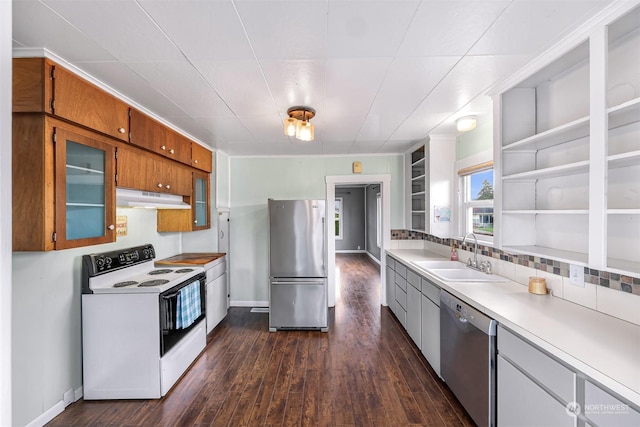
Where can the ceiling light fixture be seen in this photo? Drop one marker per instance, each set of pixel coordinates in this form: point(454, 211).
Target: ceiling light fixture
point(298, 125)
point(466, 123)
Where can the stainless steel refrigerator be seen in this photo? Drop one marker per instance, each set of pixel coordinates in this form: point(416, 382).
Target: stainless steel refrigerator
point(297, 265)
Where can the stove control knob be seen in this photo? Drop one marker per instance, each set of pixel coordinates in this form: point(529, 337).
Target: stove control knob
point(108, 262)
point(100, 263)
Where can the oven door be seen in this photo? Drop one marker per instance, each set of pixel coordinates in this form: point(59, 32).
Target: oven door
point(181, 308)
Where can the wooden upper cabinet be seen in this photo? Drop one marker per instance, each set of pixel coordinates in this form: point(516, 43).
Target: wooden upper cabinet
point(81, 102)
point(201, 158)
point(32, 85)
point(134, 169)
point(63, 185)
point(154, 136)
point(40, 85)
point(139, 170)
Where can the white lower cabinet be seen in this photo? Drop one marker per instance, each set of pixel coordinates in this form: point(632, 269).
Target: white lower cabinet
point(430, 333)
point(536, 389)
point(414, 314)
point(390, 283)
point(521, 402)
point(603, 409)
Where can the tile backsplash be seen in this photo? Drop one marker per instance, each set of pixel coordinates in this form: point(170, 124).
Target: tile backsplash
point(615, 281)
point(610, 293)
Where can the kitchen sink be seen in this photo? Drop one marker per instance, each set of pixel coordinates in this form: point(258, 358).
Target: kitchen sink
point(430, 265)
point(465, 275)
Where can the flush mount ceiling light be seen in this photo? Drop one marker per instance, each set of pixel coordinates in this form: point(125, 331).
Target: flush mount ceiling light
point(298, 125)
point(466, 123)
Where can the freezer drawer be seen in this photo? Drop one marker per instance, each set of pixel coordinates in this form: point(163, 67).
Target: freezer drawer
point(298, 305)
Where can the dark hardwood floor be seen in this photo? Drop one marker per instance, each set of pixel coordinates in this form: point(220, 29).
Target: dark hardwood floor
point(364, 371)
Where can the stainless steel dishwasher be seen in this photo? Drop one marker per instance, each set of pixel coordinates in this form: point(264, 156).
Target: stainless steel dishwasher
point(467, 357)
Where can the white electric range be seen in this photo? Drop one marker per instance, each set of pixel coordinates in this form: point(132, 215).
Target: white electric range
point(141, 326)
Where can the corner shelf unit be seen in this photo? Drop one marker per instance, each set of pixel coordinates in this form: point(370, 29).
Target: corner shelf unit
point(567, 149)
point(430, 162)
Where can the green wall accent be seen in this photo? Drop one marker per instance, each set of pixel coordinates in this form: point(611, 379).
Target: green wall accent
point(476, 141)
point(254, 180)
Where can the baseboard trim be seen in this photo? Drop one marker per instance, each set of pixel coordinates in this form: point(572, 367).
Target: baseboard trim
point(249, 303)
point(48, 415)
point(373, 258)
point(350, 251)
point(54, 411)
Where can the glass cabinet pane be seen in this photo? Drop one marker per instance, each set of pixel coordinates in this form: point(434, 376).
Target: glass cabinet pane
point(85, 191)
point(201, 202)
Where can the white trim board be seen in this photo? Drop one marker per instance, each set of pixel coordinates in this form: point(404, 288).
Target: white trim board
point(249, 303)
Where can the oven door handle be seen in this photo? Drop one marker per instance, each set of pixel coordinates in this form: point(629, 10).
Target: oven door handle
point(175, 294)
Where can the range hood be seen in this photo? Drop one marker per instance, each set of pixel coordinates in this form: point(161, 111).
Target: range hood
point(127, 198)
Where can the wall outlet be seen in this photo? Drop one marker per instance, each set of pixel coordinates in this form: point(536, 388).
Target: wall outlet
point(576, 275)
point(358, 247)
point(68, 397)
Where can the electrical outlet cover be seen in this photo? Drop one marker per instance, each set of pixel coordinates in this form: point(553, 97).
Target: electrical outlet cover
point(576, 275)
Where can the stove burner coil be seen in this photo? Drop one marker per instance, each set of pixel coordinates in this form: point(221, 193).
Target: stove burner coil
point(160, 271)
point(123, 284)
point(155, 282)
point(184, 270)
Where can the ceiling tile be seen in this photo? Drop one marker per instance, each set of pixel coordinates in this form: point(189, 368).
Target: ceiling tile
point(122, 28)
point(367, 28)
point(230, 128)
point(203, 30)
point(351, 86)
point(532, 26)
point(240, 84)
point(295, 82)
point(36, 25)
point(265, 127)
point(196, 97)
point(407, 83)
point(285, 29)
point(449, 27)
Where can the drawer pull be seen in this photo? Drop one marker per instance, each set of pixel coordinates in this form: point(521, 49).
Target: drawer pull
point(163, 148)
point(167, 187)
point(121, 130)
point(171, 151)
point(159, 185)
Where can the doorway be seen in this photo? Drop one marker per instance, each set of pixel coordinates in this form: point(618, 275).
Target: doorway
point(385, 201)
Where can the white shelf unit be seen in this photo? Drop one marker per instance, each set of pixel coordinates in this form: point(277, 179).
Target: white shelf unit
point(567, 149)
point(430, 185)
point(419, 186)
point(623, 145)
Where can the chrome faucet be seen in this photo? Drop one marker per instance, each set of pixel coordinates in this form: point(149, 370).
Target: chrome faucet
point(485, 266)
point(474, 263)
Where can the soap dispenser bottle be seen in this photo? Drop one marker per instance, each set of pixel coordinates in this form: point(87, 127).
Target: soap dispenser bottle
point(454, 253)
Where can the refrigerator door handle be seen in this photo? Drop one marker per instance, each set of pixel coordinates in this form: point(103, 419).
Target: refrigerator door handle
point(324, 248)
point(301, 282)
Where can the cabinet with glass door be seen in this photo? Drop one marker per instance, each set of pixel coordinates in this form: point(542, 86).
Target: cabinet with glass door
point(196, 218)
point(63, 179)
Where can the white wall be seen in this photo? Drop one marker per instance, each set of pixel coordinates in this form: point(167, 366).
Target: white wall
point(46, 345)
point(5, 214)
point(254, 180)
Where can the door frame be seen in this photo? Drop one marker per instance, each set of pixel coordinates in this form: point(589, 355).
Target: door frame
point(385, 187)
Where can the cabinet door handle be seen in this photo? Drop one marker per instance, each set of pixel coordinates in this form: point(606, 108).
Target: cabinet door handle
point(121, 130)
point(111, 227)
point(171, 151)
point(196, 161)
point(159, 185)
point(195, 221)
point(167, 186)
point(163, 147)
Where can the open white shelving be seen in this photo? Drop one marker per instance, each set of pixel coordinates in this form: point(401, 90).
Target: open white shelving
point(568, 144)
point(428, 162)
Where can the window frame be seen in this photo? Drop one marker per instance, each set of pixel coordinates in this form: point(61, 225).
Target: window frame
point(465, 222)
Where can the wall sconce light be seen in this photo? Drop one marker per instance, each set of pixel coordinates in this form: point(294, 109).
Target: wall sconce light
point(298, 125)
point(466, 123)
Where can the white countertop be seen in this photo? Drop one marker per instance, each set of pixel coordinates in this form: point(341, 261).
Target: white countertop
point(605, 348)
